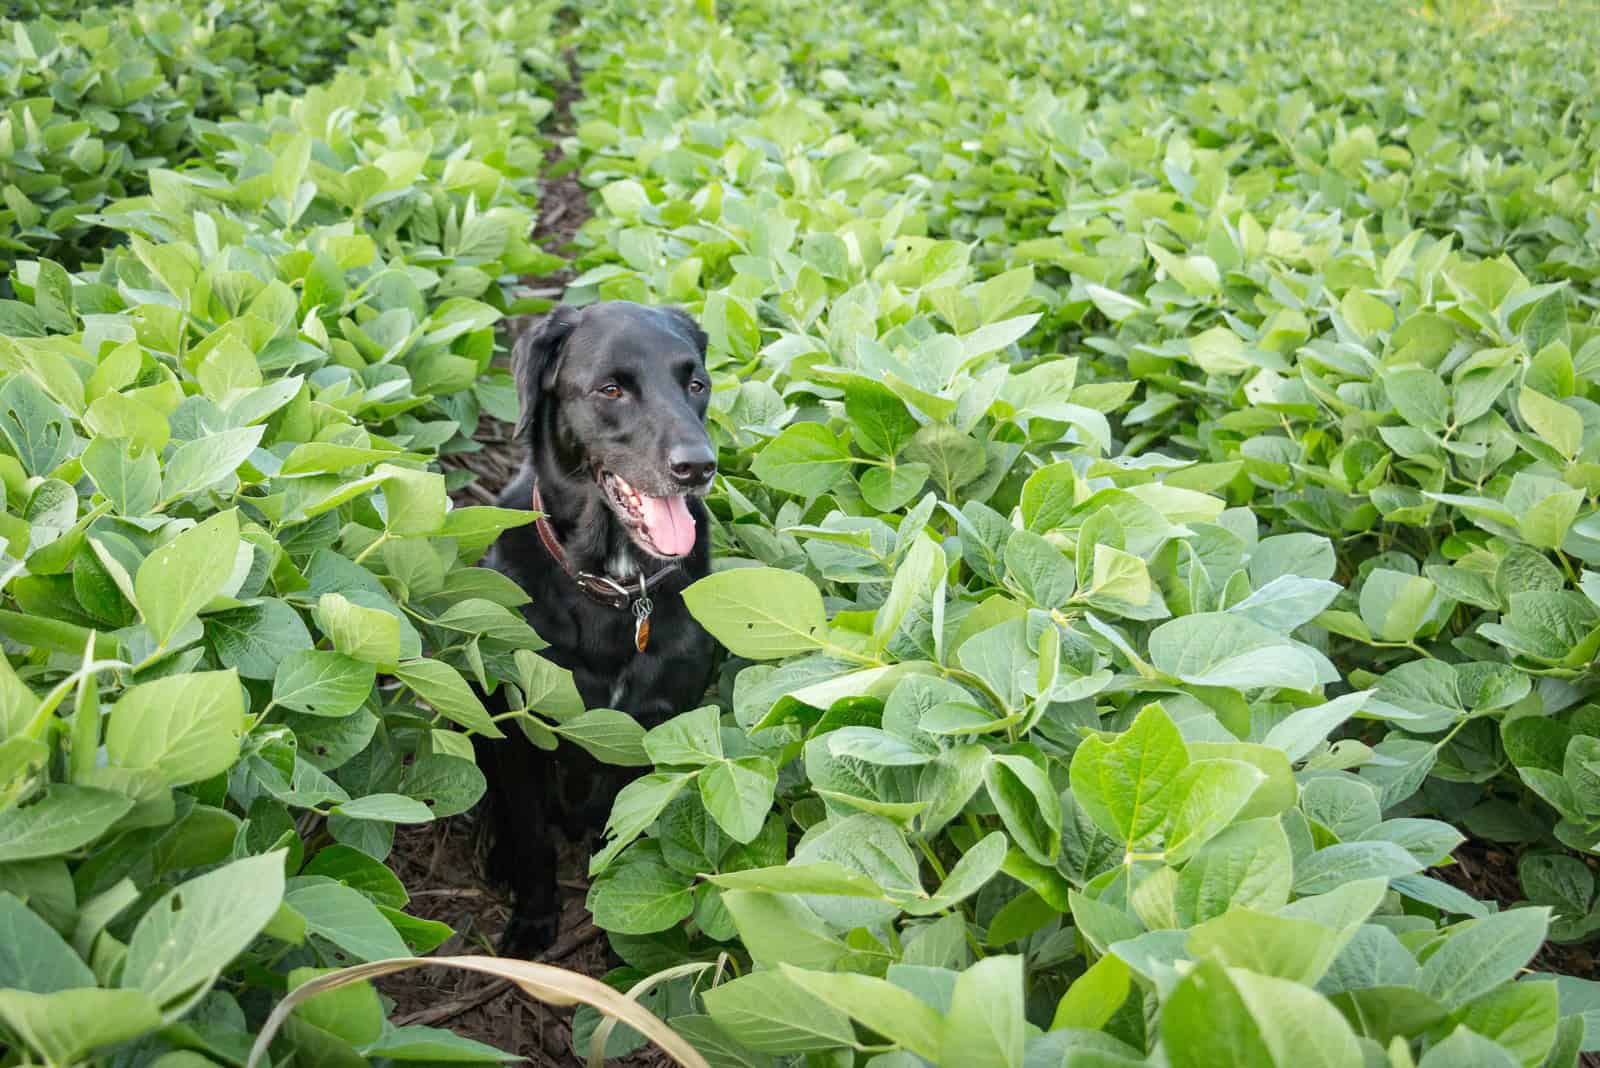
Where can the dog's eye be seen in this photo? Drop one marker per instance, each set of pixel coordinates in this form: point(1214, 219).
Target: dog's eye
point(697, 386)
point(611, 390)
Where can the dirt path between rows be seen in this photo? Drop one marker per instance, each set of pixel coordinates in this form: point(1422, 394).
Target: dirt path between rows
point(441, 864)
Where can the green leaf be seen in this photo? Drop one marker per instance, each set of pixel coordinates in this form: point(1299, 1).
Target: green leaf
point(38, 431)
point(635, 809)
point(430, 1045)
point(548, 689)
point(985, 1025)
point(738, 794)
point(807, 459)
point(915, 576)
point(640, 896)
point(367, 634)
point(322, 683)
point(875, 746)
point(415, 501)
point(1205, 1022)
point(33, 956)
point(1248, 864)
point(1287, 602)
point(1041, 570)
point(1522, 1017)
point(897, 1014)
point(130, 477)
point(385, 808)
point(879, 419)
point(1223, 649)
point(358, 871)
point(18, 704)
point(1120, 576)
point(1466, 1049)
point(873, 846)
point(824, 878)
point(1298, 733)
point(1293, 949)
point(176, 581)
point(1299, 1025)
point(65, 1025)
point(1394, 605)
point(255, 638)
point(52, 297)
point(781, 930)
point(1420, 396)
point(693, 738)
point(185, 728)
point(194, 931)
point(1347, 862)
point(608, 735)
point(759, 613)
point(1126, 784)
point(1554, 422)
point(443, 688)
point(953, 458)
point(448, 785)
point(1217, 1016)
point(1206, 797)
point(1479, 955)
point(353, 1013)
point(889, 489)
point(196, 465)
point(769, 1013)
point(1095, 996)
point(970, 874)
point(346, 918)
point(997, 335)
point(65, 818)
point(1028, 805)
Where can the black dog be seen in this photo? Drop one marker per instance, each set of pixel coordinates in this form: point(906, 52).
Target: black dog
point(613, 414)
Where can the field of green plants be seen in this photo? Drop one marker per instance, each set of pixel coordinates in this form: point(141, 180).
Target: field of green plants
point(1158, 535)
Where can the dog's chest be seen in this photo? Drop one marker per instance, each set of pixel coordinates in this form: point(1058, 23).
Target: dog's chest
point(598, 644)
point(623, 567)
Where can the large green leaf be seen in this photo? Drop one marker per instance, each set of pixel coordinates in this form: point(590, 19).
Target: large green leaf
point(193, 932)
point(1225, 649)
point(1126, 784)
point(760, 613)
point(185, 728)
point(63, 819)
point(177, 580)
point(1479, 955)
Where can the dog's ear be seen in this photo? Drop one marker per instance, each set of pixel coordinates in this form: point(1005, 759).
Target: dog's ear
point(684, 323)
point(534, 358)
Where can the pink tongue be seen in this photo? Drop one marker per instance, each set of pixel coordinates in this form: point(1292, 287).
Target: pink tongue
point(669, 524)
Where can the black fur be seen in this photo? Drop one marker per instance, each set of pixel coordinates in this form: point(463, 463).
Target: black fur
point(572, 429)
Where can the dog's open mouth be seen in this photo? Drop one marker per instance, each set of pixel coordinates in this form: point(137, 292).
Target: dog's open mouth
point(661, 525)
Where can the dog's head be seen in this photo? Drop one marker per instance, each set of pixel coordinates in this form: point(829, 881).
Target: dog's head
point(618, 392)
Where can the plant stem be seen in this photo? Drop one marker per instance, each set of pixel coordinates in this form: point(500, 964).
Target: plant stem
point(377, 543)
point(933, 859)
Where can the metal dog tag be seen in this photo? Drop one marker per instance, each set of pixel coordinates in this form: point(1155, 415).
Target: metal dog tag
point(641, 623)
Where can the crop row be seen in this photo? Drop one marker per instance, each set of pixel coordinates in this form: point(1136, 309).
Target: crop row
point(224, 525)
point(1157, 487)
point(94, 98)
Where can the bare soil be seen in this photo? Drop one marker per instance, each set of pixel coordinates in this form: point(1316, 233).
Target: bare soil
point(441, 865)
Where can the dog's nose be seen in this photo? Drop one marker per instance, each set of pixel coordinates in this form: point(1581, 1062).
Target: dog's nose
point(691, 465)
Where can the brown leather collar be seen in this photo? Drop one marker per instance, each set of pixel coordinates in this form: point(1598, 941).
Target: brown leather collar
point(603, 589)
